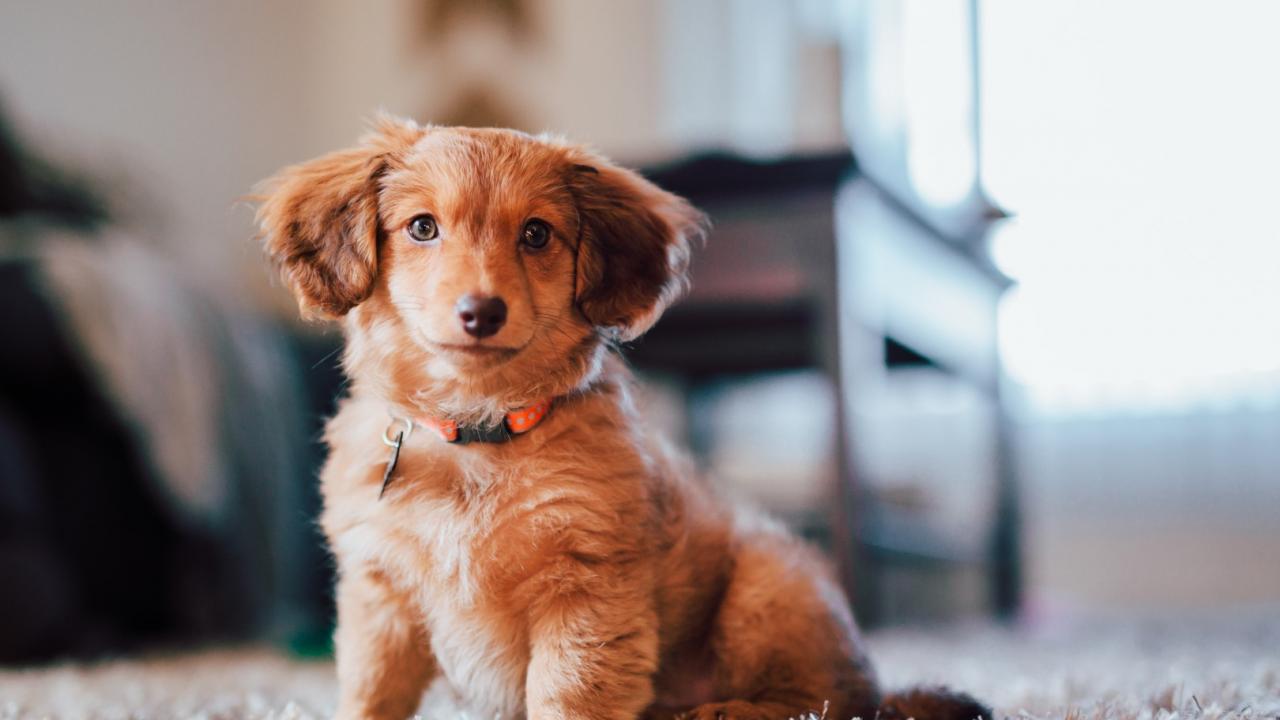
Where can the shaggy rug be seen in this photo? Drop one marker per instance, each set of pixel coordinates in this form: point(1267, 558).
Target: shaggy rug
point(1161, 670)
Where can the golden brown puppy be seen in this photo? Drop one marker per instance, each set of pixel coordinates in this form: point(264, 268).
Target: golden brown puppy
point(561, 564)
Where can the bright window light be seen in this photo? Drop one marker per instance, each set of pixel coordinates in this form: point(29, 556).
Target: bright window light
point(1137, 145)
point(937, 75)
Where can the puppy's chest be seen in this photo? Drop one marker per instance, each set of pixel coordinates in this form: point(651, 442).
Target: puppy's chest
point(467, 547)
point(458, 551)
point(442, 554)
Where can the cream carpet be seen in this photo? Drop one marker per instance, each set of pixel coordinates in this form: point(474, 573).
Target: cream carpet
point(1162, 670)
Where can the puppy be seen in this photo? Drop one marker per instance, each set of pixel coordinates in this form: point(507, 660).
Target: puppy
point(499, 520)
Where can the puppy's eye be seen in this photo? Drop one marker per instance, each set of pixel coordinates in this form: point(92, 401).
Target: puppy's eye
point(423, 229)
point(535, 234)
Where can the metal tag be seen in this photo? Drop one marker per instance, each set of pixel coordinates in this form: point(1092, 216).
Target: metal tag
point(391, 463)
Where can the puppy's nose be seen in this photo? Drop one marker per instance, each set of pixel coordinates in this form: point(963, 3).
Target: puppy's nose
point(481, 316)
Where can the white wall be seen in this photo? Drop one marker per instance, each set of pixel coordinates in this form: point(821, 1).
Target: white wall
point(182, 106)
point(178, 106)
point(1135, 144)
point(1152, 510)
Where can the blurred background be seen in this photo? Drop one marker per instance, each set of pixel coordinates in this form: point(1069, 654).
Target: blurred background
point(1003, 272)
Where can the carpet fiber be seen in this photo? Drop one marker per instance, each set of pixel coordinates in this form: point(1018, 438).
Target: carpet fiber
point(1195, 669)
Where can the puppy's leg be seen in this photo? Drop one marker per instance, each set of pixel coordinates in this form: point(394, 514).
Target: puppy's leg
point(594, 654)
point(784, 641)
point(384, 659)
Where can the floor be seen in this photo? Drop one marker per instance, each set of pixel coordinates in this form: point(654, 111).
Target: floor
point(1159, 669)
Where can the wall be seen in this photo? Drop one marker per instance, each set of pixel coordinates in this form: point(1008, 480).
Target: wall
point(1141, 510)
point(182, 106)
point(176, 107)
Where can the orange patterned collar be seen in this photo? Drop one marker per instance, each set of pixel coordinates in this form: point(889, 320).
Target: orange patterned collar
point(515, 423)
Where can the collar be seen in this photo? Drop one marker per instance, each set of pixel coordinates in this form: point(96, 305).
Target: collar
point(516, 422)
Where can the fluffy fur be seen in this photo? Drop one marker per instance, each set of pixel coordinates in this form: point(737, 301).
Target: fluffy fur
point(581, 570)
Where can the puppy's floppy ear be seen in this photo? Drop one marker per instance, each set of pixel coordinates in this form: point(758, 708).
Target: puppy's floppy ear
point(319, 220)
point(634, 247)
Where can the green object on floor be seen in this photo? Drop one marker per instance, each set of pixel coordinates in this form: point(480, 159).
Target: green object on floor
point(314, 643)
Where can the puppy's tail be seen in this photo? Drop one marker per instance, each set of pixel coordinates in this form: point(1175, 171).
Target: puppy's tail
point(931, 703)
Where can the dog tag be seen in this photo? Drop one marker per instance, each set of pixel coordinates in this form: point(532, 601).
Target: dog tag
point(391, 463)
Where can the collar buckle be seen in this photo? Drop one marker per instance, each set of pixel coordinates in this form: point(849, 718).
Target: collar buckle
point(390, 431)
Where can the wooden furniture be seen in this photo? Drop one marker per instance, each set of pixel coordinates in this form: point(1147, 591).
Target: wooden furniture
point(811, 266)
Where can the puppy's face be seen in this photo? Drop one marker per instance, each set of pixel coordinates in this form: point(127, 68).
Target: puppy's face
point(480, 256)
